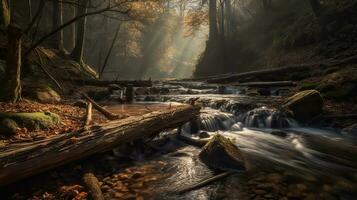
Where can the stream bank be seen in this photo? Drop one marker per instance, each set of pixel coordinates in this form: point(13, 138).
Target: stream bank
point(299, 162)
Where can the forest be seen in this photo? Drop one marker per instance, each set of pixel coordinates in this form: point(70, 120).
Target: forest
point(178, 99)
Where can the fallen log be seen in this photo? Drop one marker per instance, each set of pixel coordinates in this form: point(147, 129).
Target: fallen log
point(92, 183)
point(275, 74)
point(288, 72)
point(18, 161)
point(268, 84)
point(106, 113)
point(106, 83)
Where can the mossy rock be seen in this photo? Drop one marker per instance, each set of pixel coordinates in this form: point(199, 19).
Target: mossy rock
point(42, 94)
point(305, 105)
point(9, 122)
point(221, 154)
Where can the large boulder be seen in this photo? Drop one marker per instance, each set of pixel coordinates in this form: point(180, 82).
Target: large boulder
point(10, 122)
point(42, 93)
point(221, 154)
point(305, 105)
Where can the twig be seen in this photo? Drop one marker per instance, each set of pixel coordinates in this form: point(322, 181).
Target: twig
point(41, 64)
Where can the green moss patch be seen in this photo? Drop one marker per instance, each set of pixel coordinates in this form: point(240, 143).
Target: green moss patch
point(9, 122)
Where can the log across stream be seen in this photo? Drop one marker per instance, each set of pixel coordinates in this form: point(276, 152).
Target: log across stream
point(19, 161)
point(302, 163)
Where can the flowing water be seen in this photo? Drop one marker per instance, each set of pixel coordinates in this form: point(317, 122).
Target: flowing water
point(320, 163)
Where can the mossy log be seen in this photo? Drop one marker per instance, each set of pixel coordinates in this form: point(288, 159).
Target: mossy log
point(18, 161)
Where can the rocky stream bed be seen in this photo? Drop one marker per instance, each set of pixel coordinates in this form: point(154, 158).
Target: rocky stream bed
point(284, 156)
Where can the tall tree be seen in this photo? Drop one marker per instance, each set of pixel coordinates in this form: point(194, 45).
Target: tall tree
point(77, 53)
point(4, 15)
point(11, 86)
point(213, 30)
point(57, 20)
point(29, 4)
point(315, 6)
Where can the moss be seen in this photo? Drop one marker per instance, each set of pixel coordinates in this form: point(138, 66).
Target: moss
point(31, 121)
point(308, 86)
point(220, 153)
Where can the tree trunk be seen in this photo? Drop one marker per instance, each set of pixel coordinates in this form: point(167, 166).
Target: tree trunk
point(74, 32)
point(222, 21)
point(213, 30)
point(29, 4)
point(11, 87)
point(21, 161)
point(77, 53)
point(229, 18)
point(4, 15)
point(57, 20)
point(315, 6)
point(110, 50)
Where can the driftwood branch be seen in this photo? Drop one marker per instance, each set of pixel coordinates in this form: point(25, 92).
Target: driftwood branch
point(88, 116)
point(91, 182)
point(18, 161)
point(106, 113)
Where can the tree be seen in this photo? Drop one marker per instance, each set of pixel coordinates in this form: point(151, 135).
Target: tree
point(11, 86)
point(57, 20)
point(29, 4)
point(315, 6)
point(77, 53)
point(4, 15)
point(213, 30)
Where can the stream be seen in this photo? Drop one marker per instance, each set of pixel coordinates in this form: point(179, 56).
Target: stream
point(286, 160)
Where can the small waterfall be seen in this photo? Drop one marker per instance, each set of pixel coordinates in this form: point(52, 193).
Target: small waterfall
point(267, 118)
point(210, 120)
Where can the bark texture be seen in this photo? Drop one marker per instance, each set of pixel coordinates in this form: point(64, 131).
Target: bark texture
point(11, 86)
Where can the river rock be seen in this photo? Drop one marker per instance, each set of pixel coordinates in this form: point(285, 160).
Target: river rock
point(114, 87)
point(80, 103)
point(237, 127)
point(9, 122)
point(221, 154)
point(99, 94)
point(305, 105)
point(203, 135)
point(350, 131)
point(279, 133)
